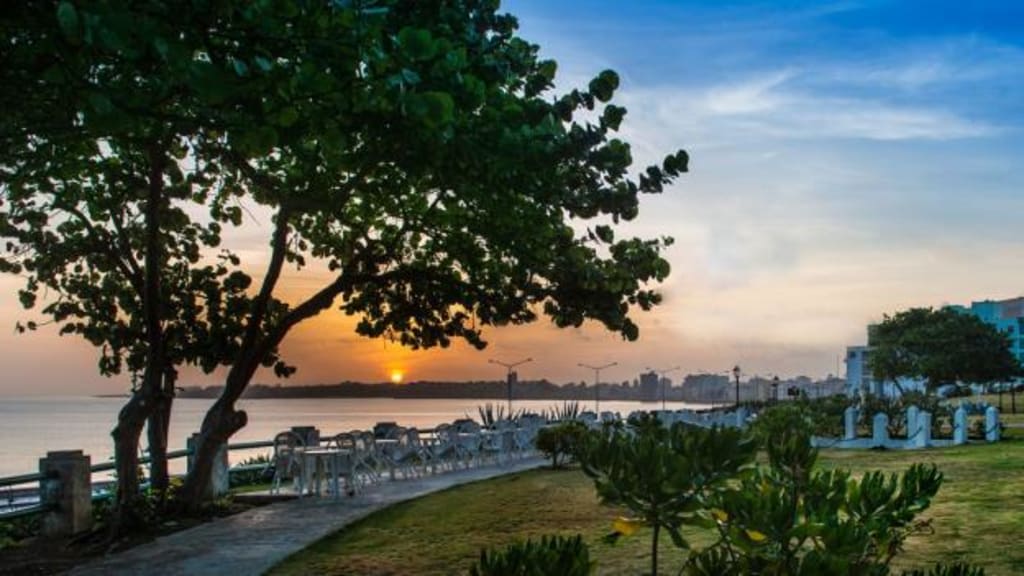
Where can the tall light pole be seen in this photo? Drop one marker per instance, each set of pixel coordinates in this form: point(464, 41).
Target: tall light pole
point(509, 376)
point(736, 375)
point(661, 376)
point(597, 383)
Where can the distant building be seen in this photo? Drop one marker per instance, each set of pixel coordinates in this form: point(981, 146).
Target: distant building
point(1005, 315)
point(650, 387)
point(705, 388)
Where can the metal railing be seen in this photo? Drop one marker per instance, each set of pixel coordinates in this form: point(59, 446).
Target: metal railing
point(16, 511)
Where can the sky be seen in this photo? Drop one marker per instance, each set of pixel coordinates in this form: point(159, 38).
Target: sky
point(848, 160)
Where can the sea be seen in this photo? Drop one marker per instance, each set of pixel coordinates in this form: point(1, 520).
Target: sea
point(32, 426)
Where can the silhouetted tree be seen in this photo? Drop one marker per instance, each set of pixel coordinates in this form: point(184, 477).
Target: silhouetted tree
point(413, 147)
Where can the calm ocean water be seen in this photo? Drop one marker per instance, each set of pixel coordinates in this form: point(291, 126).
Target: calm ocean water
point(29, 427)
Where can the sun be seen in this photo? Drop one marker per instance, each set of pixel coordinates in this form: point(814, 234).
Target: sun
point(396, 376)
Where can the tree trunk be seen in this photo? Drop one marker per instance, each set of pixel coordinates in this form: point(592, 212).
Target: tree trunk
point(126, 435)
point(654, 549)
point(159, 424)
point(221, 422)
point(143, 402)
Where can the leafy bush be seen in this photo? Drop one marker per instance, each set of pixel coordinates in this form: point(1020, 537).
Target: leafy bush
point(256, 476)
point(561, 442)
point(551, 556)
point(789, 518)
point(15, 530)
point(569, 410)
point(664, 475)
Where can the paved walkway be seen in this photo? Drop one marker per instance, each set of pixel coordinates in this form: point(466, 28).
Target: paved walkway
point(250, 543)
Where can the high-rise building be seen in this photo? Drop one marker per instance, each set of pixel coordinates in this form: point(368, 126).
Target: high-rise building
point(650, 387)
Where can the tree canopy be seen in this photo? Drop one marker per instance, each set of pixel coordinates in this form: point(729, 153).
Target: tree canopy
point(413, 147)
point(941, 347)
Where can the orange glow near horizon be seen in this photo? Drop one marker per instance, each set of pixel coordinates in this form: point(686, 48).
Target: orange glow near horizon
point(397, 376)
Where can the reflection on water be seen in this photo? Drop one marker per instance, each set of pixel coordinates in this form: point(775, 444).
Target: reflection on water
point(29, 427)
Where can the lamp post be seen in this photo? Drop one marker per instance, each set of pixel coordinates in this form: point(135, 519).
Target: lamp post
point(775, 390)
point(509, 376)
point(661, 376)
point(597, 383)
point(736, 375)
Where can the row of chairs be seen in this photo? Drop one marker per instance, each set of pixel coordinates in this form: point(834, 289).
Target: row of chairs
point(392, 452)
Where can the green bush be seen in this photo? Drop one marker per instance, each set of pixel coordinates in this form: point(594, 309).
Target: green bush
point(561, 442)
point(251, 477)
point(664, 475)
point(551, 556)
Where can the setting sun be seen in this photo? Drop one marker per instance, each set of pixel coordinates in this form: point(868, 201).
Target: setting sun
point(396, 376)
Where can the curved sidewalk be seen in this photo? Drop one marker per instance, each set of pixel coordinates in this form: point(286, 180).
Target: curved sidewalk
point(250, 543)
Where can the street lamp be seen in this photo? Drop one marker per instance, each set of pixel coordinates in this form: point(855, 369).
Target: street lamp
point(661, 376)
point(775, 389)
point(597, 383)
point(509, 376)
point(736, 375)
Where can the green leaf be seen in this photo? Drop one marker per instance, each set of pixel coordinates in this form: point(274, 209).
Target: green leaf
point(434, 108)
point(604, 86)
point(417, 43)
point(67, 19)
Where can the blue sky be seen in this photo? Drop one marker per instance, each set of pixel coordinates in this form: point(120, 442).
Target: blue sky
point(848, 159)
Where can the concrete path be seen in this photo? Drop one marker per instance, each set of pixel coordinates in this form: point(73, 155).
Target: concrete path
point(250, 543)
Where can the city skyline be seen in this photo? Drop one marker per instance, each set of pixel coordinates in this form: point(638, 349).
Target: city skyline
point(848, 160)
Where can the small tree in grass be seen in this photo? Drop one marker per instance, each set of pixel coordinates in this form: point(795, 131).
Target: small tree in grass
point(561, 442)
point(664, 475)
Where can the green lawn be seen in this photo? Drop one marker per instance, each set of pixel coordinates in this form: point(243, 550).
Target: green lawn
point(978, 516)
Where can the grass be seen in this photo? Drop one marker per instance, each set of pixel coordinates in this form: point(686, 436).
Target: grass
point(977, 517)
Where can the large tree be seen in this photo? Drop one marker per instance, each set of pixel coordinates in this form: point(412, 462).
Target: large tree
point(941, 347)
point(414, 148)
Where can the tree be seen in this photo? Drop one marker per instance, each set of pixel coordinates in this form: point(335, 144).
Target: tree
point(427, 165)
point(664, 475)
point(102, 171)
point(941, 347)
point(412, 147)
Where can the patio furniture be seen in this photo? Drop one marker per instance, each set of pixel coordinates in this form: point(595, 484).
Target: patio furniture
point(286, 461)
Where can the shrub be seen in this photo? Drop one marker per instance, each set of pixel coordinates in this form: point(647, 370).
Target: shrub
point(561, 442)
point(250, 477)
point(664, 475)
point(551, 556)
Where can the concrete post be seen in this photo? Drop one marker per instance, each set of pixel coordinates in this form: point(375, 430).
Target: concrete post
point(992, 424)
point(912, 428)
point(66, 491)
point(741, 417)
point(880, 430)
point(924, 426)
point(219, 477)
point(960, 426)
point(850, 416)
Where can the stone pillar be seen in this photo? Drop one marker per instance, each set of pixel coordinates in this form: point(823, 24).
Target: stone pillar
point(880, 430)
point(924, 426)
point(850, 417)
point(66, 490)
point(992, 424)
point(741, 417)
point(219, 477)
point(960, 426)
point(912, 428)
